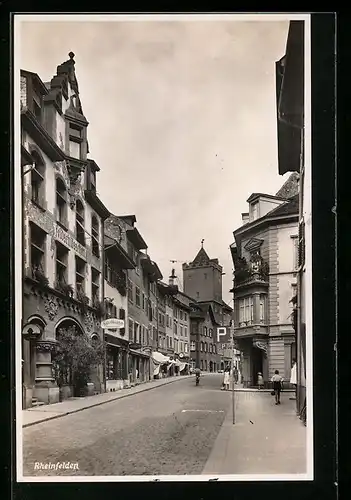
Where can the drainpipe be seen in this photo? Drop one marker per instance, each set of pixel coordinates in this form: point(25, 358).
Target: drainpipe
point(299, 292)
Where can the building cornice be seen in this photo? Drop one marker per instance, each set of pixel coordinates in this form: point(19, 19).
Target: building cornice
point(265, 221)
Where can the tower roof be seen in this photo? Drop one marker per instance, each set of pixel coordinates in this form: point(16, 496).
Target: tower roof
point(201, 258)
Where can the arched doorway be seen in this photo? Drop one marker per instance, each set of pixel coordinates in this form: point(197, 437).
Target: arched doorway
point(62, 360)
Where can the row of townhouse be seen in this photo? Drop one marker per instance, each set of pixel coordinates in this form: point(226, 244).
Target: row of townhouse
point(83, 265)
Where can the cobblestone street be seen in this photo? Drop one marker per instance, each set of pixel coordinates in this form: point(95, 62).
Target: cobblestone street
point(154, 432)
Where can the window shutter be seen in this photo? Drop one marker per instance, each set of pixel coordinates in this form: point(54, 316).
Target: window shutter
point(301, 243)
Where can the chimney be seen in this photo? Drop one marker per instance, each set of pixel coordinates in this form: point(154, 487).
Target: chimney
point(245, 218)
point(172, 278)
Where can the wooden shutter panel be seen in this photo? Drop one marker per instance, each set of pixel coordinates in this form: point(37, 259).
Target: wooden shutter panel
point(122, 315)
point(301, 243)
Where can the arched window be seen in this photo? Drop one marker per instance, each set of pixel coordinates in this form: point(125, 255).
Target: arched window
point(37, 180)
point(61, 202)
point(95, 236)
point(80, 223)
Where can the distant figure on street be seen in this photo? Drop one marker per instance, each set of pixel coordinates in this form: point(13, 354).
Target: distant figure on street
point(260, 381)
point(277, 386)
point(226, 379)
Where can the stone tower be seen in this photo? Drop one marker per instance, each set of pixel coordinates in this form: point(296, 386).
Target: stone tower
point(202, 278)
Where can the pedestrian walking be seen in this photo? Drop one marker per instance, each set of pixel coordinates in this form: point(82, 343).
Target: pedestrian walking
point(226, 379)
point(277, 386)
point(260, 381)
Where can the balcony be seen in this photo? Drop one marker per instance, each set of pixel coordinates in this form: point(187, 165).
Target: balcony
point(256, 271)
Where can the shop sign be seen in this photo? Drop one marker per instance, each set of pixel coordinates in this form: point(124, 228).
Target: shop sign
point(112, 324)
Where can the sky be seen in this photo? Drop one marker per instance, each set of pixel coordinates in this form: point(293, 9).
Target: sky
point(182, 122)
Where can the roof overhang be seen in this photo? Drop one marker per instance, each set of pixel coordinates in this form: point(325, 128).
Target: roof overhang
point(151, 268)
point(135, 237)
point(96, 204)
point(116, 252)
point(43, 140)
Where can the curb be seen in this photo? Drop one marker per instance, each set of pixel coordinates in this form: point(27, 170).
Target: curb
point(102, 402)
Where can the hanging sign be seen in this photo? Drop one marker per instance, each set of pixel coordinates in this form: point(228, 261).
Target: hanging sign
point(112, 324)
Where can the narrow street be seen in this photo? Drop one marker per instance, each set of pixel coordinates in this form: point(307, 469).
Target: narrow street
point(154, 432)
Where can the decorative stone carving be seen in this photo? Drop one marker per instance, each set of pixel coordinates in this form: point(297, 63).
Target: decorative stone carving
point(61, 168)
point(261, 345)
point(46, 346)
point(61, 142)
point(89, 321)
point(51, 307)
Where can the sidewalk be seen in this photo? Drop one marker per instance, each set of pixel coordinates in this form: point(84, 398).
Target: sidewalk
point(38, 414)
point(265, 439)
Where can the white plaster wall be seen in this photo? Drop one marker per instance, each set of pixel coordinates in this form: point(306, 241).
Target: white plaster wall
point(286, 247)
point(285, 291)
point(266, 205)
point(120, 302)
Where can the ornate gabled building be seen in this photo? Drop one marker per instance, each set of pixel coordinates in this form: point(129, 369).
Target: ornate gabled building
point(265, 257)
point(63, 233)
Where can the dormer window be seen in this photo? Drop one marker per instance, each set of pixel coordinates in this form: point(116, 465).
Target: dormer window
point(255, 211)
point(75, 139)
point(61, 202)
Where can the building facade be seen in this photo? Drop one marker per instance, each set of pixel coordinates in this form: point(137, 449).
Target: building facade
point(203, 338)
point(290, 86)
point(265, 257)
point(63, 218)
point(117, 263)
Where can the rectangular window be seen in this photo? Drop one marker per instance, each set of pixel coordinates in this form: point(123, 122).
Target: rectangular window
point(262, 309)
point(175, 328)
point(181, 346)
point(37, 250)
point(95, 236)
point(61, 266)
point(137, 296)
point(130, 329)
point(74, 149)
point(80, 275)
point(185, 332)
point(192, 346)
point(181, 331)
point(61, 202)
point(185, 347)
point(136, 333)
point(95, 285)
point(130, 291)
point(143, 301)
point(80, 226)
point(246, 311)
point(180, 314)
point(185, 316)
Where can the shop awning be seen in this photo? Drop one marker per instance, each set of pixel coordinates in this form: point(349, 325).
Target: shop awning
point(160, 358)
point(139, 353)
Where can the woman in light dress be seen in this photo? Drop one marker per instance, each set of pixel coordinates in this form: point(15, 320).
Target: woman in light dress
point(226, 379)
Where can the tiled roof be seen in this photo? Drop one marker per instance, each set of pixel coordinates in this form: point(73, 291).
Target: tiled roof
point(291, 207)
